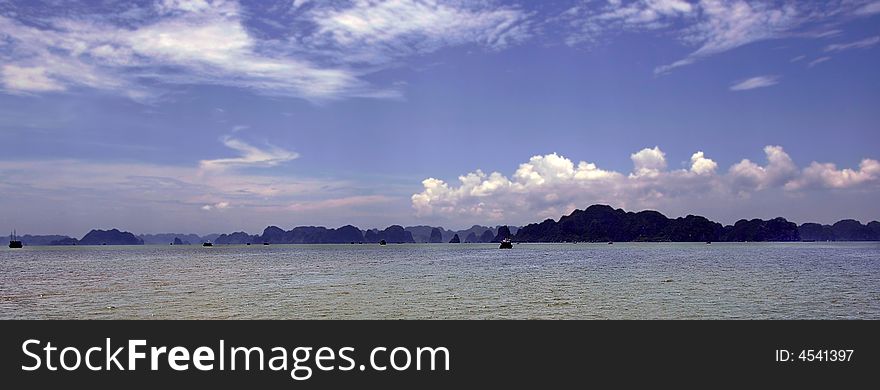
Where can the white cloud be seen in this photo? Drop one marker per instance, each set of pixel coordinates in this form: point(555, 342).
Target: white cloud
point(780, 169)
point(860, 44)
point(648, 162)
point(324, 205)
point(702, 165)
point(380, 30)
point(755, 82)
point(711, 27)
point(202, 43)
point(78, 195)
point(726, 25)
point(218, 206)
point(551, 185)
point(818, 61)
point(79, 182)
point(826, 175)
point(186, 5)
point(871, 8)
point(328, 49)
point(300, 3)
point(181, 42)
point(29, 79)
point(249, 156)
point(591, 21)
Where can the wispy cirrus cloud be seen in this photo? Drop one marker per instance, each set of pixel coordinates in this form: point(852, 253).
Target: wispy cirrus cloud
point(871, 8)
point(249, 156)
point(179, 43)
point(81, 194)
point(395, 28)
point(711, 27)
point(755, 82)
point(818, 61)
point(860, 44)
point(591, 21)
point(29, 79)
point(327, 50)
point(210, 42)
point(726, 25)
point(339, 203)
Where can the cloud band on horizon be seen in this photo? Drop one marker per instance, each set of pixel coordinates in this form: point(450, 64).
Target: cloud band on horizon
point(551, 185)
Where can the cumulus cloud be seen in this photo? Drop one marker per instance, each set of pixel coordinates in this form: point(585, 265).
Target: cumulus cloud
point(819, 175)
point(747, 175)
point(702, 165)
point(218, 206)
point(550, 185)
point(249, 156)
point(648, 162)
point(755, 82)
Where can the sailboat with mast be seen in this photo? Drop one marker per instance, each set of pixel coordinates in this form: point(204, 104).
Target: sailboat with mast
point(14, 242)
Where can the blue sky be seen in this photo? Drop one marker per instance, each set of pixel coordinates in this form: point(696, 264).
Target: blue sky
point(213, 116)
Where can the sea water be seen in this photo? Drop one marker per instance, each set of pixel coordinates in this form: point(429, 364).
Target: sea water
point(808, 280)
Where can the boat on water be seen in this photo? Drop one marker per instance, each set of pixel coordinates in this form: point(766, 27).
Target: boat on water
point(506, 244)
point(14, 242)
point(207, 244)
point(382, 242)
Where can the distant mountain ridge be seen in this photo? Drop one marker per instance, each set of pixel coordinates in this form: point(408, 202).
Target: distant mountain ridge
point(844, 230)
point(603, 223)
point(596, 223)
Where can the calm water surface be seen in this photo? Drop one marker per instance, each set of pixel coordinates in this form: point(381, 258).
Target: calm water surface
point(444, 281)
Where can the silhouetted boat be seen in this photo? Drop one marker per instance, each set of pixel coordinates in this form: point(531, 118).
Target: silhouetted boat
point(610, 243)
point(265, 243)
point(506, 244)
point(207, 244)
point(382, 242)
point(14, 242)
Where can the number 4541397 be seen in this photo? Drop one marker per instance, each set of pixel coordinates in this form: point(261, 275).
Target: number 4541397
point(815, 355)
